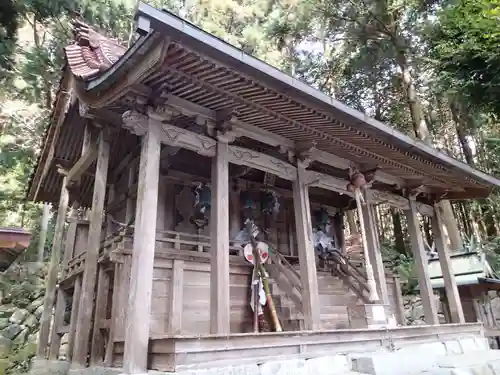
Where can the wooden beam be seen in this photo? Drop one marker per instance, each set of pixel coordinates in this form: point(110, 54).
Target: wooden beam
point(84, 324)
point(420, 258)
point(242, 156)
point(374, 253)
point(307, 257)
point(97, 347)
point(74, 315)
point(135, 357)
point(219, 234)
point(108, 357)
point(50, 289)
point(55, 338)
point(176, 299)
point(450, 284)
point(81, 166)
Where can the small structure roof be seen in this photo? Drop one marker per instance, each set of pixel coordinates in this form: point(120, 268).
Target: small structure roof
point(177, 64)
point(469, 268)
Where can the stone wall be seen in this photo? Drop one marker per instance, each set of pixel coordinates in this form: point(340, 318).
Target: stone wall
point(414, 310)
point(21, 306)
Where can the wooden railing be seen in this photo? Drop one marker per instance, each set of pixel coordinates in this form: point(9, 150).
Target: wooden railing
point(339, 265)
point(286, 278)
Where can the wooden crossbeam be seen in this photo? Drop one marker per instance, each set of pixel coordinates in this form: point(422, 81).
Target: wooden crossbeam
point(81, 166)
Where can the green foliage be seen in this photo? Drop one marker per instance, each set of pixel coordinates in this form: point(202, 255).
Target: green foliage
point(465, 50)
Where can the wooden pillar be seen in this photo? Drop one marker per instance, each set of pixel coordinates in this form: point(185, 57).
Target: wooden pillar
point(374, 252)
point(55, 337)
point(69, 243)
point(450, 284)
point(130, 208)
point(138, 319)
point(307, 257)
point(115, 302)
point(400, 305)
point(86, 307)
point(44, 224)
point(50, 289)
point(421, 264)
point(219, 243)
point(176, 297)
point(74, 315)
point(101, 301)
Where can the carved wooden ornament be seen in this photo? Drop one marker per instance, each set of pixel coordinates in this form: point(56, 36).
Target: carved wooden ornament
point(327, 182)
point(266, 163)
point(177, 137)
point(135, 122)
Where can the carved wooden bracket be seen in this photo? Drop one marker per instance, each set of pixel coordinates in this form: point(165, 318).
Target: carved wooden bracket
point(177, 137)
point(135, 122)
point(327, 182)
point(263, 162)
point(163, 112)
point(304, 152)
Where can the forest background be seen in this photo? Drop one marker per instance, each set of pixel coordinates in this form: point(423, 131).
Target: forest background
point(430, 68)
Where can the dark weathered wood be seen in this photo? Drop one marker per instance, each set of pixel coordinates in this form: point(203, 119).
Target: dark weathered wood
point(83, 164)
point(420, 258)
point(450, 284)
point(176, 300)
point(108, 357)
point(97, 347)
point(141, 280)
point(43, 231)
point(307, 257)
point(50, 289)
point(55, 337)
point(219, 229)
point(374, 252)
point(74, 315)
point(84, 323)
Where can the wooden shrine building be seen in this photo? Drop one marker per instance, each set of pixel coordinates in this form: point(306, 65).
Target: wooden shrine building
point(154, 154)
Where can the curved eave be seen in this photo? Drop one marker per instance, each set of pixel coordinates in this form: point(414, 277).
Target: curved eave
point(180, 31)
point(111, 81)
point(57, 115)
point(216, 48)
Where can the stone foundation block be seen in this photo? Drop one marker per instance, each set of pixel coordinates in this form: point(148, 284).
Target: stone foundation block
point(494, 366)
point(285, 367)
point(332, 365)
point(228, 370)
point(95, 370)
point(407, 360)
point(453, 347)
point(47, 367)
point(369, 315)
point(482, 343)
point(469, 344)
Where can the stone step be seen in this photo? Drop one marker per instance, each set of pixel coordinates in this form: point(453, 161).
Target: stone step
point(454, 357)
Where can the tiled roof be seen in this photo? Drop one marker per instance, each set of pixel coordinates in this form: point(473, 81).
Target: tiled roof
point(91, 53)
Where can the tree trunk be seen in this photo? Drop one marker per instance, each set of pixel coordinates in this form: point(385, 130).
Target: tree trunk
point(43, 231)
point(451, 226)
point(399, 242)
point(422, 133)
point(418, 119)
point(460, 127)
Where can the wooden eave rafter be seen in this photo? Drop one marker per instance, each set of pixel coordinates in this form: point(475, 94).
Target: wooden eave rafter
point(62, 104)
point(176, 64)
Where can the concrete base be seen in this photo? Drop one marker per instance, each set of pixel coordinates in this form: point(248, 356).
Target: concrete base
point(48, 367)
point(96, 370)
point(468, 356)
